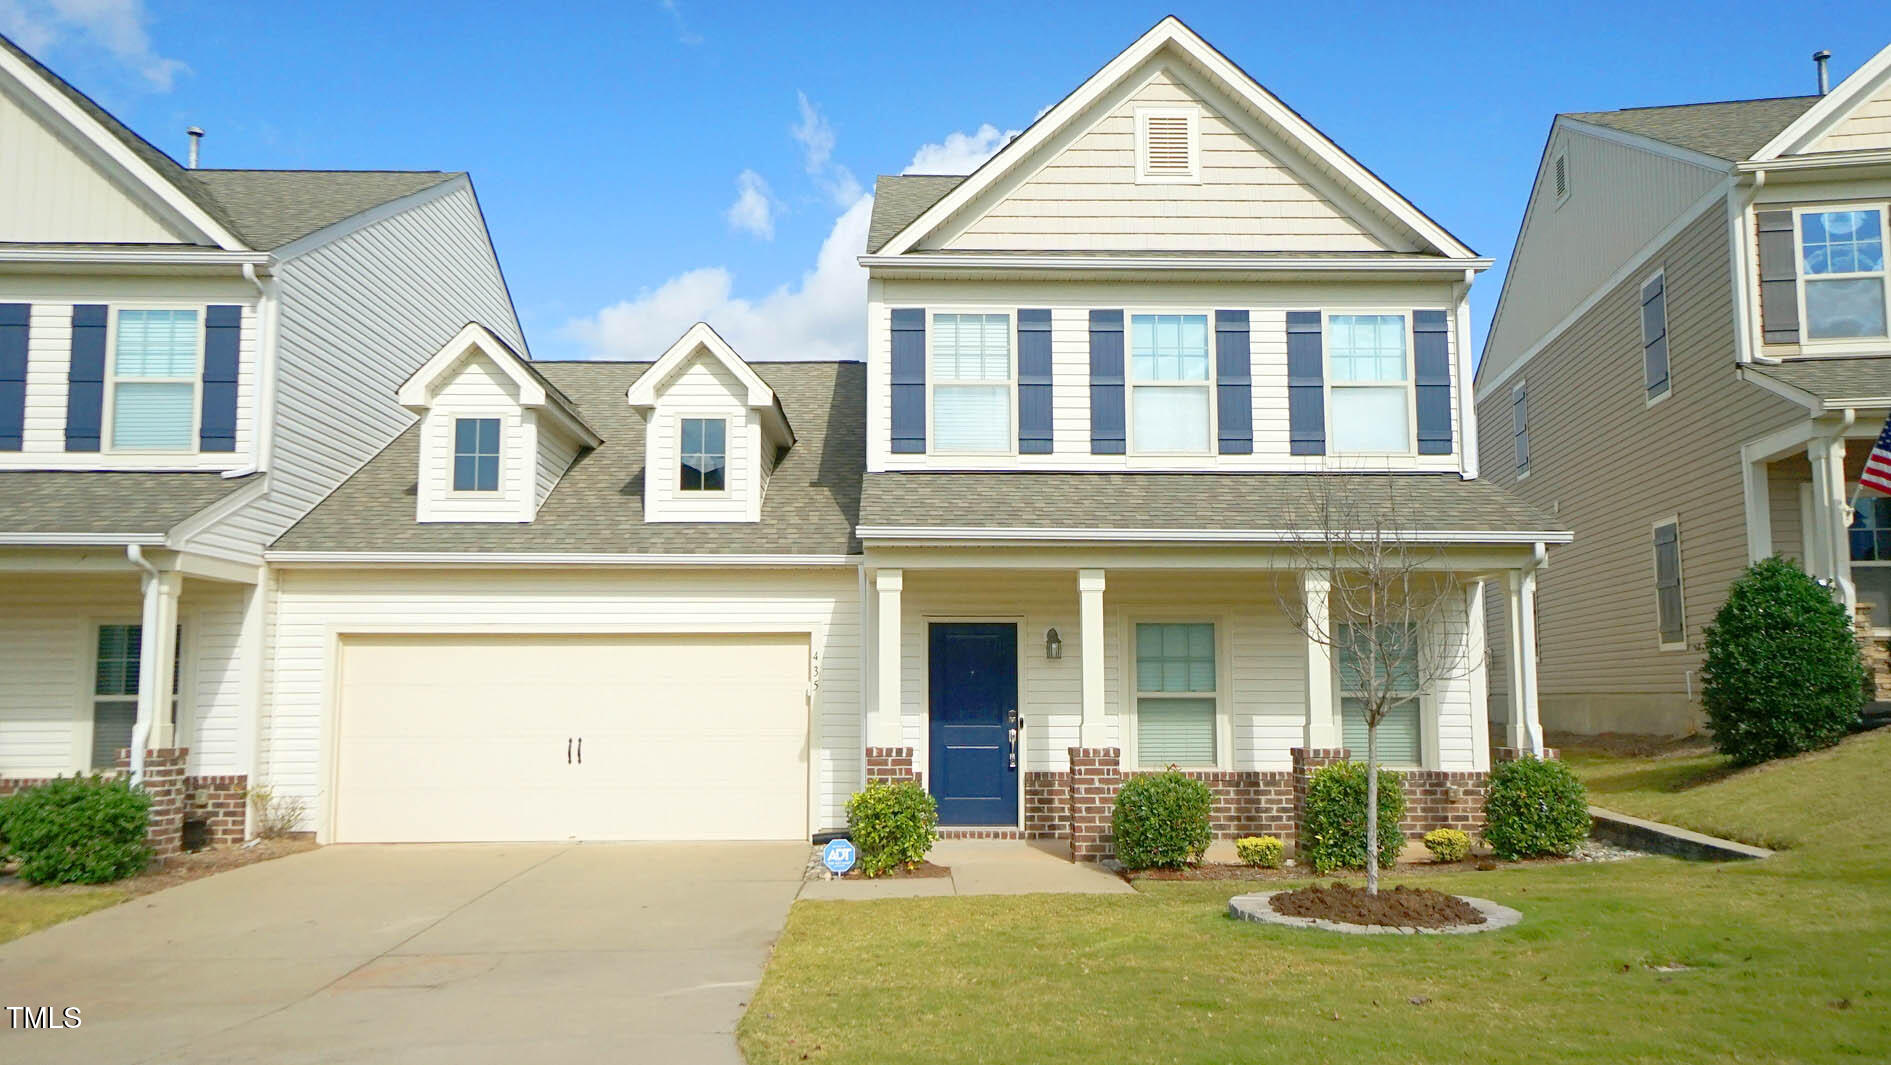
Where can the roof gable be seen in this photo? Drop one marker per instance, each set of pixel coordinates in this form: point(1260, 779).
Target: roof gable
point(475, 341)
point(1854, 116)
point(700, 341)
point(1732, 130)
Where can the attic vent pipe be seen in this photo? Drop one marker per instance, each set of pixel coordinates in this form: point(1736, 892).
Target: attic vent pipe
point(197, 137)
point(1818, 59)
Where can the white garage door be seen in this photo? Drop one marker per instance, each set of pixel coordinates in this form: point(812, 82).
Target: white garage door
point(467, 738)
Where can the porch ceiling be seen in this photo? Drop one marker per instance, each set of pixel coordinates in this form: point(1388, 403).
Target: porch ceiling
point(130, 504)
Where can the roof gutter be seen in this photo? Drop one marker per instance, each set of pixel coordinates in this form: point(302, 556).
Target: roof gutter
point(181, 256)
point(1451, 268)
point(1200, 536)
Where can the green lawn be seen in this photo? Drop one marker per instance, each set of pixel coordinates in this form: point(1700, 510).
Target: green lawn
point(1786, 960)
point(31, 909)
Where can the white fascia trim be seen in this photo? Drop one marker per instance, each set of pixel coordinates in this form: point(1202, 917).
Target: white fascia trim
point(1860, 157)
point(27, 539)
point(1171, 31)
point(1235, 536)
point(1646, 144)
point(1820, 117)
point(373, 215)
point(518, 558)
point(182, 255)
point(1688, 216)
point(1454, 267)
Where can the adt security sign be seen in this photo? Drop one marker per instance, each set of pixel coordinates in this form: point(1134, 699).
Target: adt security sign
point(838, 856)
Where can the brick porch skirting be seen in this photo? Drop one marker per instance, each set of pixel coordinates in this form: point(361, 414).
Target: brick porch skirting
point(217, 801)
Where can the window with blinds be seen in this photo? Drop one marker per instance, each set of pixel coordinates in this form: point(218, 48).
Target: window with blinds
point(1175, 694)
point(971, 383)
point(1168, 145)
point(155, 369)
point(1401, 739)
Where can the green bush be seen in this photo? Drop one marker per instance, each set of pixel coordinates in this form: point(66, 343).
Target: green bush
point(1448, 844)
point(1782, 673)
point(1334, 832)
point(77, 830)
point(891, 825)
point(1161, 820)
point(1534, 807)
point(1262, 851)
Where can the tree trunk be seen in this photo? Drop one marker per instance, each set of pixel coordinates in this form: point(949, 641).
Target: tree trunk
point(1372, 807)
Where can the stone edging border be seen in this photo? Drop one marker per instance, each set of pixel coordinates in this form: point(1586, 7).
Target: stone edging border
point(1255, 907)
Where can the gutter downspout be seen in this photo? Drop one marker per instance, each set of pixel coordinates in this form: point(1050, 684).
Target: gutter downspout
point(1740, 198)
point(267, 313)
point(147, 699)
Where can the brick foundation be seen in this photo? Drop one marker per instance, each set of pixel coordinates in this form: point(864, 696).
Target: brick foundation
point(1436, 799)
point(164, 781)
point(219, 803)
point(1875, 654)
point(175, 798)
point(891, 764)
point(1046, 805)
point(1095, 774)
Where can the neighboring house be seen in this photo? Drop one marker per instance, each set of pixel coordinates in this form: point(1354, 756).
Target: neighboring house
point(189, 361)
point(1688, 366)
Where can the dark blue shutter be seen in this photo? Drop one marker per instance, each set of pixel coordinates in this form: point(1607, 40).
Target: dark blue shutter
point(1306, 384)
point(909, 381)
point(1234, 384)
point(1431, 366)
point(85, 377)
point(223, 334)
point(1034, 382)
point(13, 326)
point(1107, 436)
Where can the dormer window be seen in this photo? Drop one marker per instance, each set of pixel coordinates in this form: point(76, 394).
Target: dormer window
point(704, 454)
point(1168, 145)
point(475, 454)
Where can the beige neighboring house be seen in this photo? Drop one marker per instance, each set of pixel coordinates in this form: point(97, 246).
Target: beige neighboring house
point(1688, 366)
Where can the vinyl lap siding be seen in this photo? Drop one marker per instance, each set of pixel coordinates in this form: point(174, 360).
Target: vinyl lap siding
point(54, 195)
point(556, 450)
point(702, 389)
point(1868, 126)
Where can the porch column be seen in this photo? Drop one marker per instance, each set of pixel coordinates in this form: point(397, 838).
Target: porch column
point(1759, 507)
point(157, 658)
point(1523, 730)
point(885, 730)
point(1095, 730)
point(1315, 590)
point(1828, 551)
point(1477, 660)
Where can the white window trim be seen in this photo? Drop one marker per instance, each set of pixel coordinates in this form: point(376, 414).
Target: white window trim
point(452, 452)
point(1560, 158)
point(1010, 450)
point(1520, 389)
point(1839, 345)
point(1410, 383)
point(1680, 582)
point(676, 463)
point(1130, 384)
point(108, 413)
point(1193, 116)
point(1667, 333)
point(1224, 687)
point(184, 702)
point(1880, 626)
point(1428, 755)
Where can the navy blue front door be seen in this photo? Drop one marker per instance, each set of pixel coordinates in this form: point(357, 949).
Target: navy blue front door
point(974, 696)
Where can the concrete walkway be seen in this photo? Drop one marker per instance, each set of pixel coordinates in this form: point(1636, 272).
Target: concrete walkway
point(446, 953)
point(984, 867)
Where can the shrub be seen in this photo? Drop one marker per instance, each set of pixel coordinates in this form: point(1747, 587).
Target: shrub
point(891, 825)
point(277, 816)
point(1782, 674)
point(1334, 833)
point(1534, 807)
point(1262, 851)
point(1161, 820)
point(1448, 844)
point(77, 830)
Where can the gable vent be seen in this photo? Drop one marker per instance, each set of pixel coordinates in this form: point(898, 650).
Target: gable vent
point(1167, 144)
point(1561, 177)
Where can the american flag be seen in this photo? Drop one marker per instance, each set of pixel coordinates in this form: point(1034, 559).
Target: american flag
point(1877, 473)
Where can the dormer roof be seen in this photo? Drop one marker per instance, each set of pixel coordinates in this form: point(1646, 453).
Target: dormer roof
point(701, 340)
point(418, 392)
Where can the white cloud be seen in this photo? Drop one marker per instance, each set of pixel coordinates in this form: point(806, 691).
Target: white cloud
point(816, 136)
point(960, 153)
point(754, 208)
point(684, 35)
point(115, 26)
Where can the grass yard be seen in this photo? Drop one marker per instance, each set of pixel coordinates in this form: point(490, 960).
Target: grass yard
point(1651, 960)
point(23, 911)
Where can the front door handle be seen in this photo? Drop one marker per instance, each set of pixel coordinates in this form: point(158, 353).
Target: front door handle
point(1014, 746)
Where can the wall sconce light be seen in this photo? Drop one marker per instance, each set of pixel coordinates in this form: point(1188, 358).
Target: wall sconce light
point(1053, 645)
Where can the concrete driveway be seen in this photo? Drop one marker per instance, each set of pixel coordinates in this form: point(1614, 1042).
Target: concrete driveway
point(445, 953)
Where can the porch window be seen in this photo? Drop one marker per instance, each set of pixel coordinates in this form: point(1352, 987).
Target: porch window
point(1871, 557)
point(1175, 694)
point(1169, 383)
point(705, 454)
point(971, 375)
point(154, 382)
point(115, 690)
point(1841, 259)
point(1400, 736)
point(475, 454)
point(1371, 384)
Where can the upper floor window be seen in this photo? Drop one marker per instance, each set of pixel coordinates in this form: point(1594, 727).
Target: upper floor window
point(1371, 383)
point(1169, 383)
point(475, 454)
point(704, 456)
point(1520, 426)
point(1841, 259)
point(971, 375)
point(1175, 694)
point(154, 380)
point(1168, 144)
point(1654, 336)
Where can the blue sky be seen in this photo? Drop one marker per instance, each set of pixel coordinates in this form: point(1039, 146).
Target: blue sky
point(645, 164)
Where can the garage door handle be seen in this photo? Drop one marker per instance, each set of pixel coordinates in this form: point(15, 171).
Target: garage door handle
point(580, 750)
point(567, 750)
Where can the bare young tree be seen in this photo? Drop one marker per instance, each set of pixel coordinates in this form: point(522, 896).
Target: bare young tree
point(1395, 609)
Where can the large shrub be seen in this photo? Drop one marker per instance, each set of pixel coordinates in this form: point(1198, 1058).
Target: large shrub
point(1782, 673)
point(891, 825)
point(77, 830)
point(1534, 807)
point(1333, 835)
point(1161, 820)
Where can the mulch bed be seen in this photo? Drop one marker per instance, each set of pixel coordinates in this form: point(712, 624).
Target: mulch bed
point(179, 869)
point(1401, 906)
point(922, 871)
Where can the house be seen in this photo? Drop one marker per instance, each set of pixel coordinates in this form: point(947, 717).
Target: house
point(1688, 366)
point(1043, 537)
point(190, 359)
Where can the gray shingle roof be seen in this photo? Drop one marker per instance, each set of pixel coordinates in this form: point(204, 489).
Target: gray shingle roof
point(1728, 129)
point(105, 503)
point(811, 506)
point(898, 199)
point(1854, 382)
point(1215, 502)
